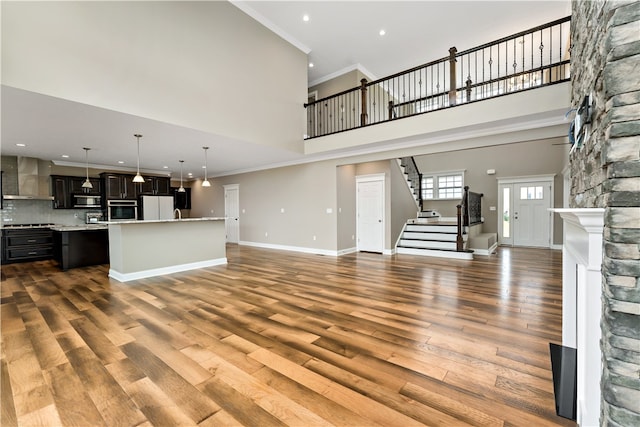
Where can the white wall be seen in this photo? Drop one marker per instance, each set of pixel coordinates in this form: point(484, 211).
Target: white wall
point(204, 65)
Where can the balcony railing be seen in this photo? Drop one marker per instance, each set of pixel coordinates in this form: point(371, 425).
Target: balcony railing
point(530, 59)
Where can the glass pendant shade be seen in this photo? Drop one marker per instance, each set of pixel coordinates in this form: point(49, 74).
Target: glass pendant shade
point(138, 177)
point(206, 182)
point(181, 189)
point(86, 183)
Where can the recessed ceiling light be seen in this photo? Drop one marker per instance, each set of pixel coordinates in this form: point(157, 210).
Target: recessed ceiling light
point(65, 156)
point(310, 64)
point(382, 32)
point(190, 174)
point(121, 162)
point(165, 167)
point(305, 17)
point(21, 145)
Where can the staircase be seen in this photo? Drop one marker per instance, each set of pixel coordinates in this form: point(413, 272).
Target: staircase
point(428, 234)
point(432, 237)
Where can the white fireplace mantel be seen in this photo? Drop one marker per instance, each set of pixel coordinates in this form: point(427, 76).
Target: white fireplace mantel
point(582, 305)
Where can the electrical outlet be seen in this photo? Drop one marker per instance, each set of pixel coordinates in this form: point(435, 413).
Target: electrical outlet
point(266, 234)
point(314, 237)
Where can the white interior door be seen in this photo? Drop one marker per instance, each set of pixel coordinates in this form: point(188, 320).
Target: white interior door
point(232, 212)
point(525, 219)
point(370, 213)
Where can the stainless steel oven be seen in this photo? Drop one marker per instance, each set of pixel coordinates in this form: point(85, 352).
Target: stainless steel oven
point(122, 210)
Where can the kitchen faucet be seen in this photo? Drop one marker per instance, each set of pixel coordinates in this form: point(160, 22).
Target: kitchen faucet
point(179, 213)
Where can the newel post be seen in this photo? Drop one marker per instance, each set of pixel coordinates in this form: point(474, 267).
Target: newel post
point(459, 240)
point(452, 76)
point(363, 107)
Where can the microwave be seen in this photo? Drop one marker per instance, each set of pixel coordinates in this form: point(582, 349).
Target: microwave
point(85, 201)
point(122, 210)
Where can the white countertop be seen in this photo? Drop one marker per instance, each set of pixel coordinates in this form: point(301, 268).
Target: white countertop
point(80, 227)
point(150, 221)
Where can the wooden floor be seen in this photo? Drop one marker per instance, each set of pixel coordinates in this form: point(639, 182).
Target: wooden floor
point(281, 338)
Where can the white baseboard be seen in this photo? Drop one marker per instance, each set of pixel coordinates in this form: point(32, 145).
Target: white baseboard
point(314, 251)
point(347, 251)
point(556, 247)
point(486, 252)
point(126, 277)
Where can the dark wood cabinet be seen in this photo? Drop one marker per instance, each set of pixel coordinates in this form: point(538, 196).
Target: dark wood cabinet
point(65, 188)
point(28, 244)
point(79, 248)
point(60, 190)
point(181, 200)
point(75, 185)
point(154, 186)
point(117, 186)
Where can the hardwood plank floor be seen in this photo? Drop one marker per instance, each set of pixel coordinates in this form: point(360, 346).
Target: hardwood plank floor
point(285, 339)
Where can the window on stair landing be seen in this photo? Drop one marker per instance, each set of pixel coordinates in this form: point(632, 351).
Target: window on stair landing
point(443, 185)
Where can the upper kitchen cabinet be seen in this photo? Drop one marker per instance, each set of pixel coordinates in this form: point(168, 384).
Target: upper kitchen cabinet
point(76, 186)
point(60, 190)
point(118, 186)
point(154, 186)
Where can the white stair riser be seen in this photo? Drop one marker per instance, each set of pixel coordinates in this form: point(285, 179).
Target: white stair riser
point(439, 254)
point(448, 237)
point(428, 244)
point(432, 228)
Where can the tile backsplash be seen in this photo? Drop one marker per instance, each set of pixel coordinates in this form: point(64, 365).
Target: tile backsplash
point(40, 211)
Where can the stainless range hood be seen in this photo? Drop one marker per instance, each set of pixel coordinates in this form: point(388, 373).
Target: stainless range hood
point(31, 184)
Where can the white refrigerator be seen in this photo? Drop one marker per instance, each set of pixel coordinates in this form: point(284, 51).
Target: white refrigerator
point(156, 207)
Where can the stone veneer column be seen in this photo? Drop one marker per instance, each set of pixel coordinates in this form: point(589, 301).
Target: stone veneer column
point(605, 172)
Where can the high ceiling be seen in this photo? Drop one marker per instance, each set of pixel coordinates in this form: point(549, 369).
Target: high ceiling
point(342, 34)
point(338, 37)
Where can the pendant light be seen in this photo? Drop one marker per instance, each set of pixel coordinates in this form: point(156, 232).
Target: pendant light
point(181, 189)
point(86, 183)
point(138, 177)
point(206, 182)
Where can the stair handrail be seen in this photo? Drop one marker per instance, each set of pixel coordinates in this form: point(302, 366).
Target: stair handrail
point(414, 175)
point(462, 218)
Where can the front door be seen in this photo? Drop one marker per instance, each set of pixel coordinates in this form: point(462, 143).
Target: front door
point(231, 212)
point(525, 219)
point(370, 213)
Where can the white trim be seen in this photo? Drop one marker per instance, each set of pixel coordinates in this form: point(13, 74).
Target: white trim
point(436, 254)
point(389, 251)
point(371, 177)
point(314, 251)
point(556, 247)
point(347, 251)
point(110, 167)
point(126, 277)
point(485, 252)
point(231, 186)
point(270, 25)
point(342, 71)
point(530, 178)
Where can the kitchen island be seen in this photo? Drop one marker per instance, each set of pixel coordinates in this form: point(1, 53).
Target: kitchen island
point(139, 249)
point(80, 245)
